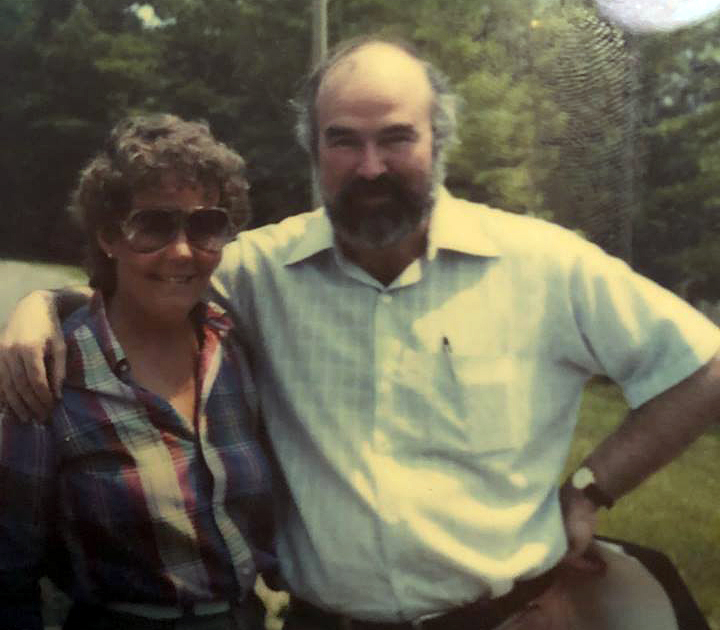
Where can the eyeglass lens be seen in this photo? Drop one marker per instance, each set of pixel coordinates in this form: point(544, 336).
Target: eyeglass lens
point(150, 230)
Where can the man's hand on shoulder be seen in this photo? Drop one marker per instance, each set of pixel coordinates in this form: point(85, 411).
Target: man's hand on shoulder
point(32, 357)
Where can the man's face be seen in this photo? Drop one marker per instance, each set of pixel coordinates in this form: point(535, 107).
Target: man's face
point(374, 146)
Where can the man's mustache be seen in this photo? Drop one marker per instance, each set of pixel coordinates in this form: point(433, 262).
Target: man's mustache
point(384, 184)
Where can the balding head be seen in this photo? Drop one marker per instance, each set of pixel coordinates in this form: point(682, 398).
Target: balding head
point(395, 62)
point(373, 68)
point(374, 146)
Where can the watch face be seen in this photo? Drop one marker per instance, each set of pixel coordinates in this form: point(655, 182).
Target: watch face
point(582, 478)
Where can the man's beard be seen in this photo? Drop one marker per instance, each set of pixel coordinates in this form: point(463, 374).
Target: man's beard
point(380, 223)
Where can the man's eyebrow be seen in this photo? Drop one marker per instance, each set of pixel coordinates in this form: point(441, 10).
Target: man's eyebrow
point(335, 131)
point(399, 128)
point(338, 131)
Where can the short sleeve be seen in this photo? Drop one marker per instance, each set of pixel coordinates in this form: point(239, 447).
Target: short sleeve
point(230, 282)
point(641, 335)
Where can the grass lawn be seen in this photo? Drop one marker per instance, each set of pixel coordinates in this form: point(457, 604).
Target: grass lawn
point(675, 511)
point(20, 277)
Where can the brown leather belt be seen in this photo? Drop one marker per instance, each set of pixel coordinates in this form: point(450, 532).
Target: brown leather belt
point(482, 614)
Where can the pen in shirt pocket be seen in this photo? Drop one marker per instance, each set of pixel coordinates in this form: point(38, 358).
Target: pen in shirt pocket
point(447, 351)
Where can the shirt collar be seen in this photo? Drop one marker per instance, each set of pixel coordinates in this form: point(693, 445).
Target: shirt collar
point(213, 315)
point(206, 314)
point(455, 225)
point(100, 325)
point(460, 226)
point(316, 238)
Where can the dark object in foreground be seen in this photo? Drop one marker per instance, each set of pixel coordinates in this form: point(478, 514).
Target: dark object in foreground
point(687, 612)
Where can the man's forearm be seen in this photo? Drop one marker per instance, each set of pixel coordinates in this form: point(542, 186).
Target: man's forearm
point(655, 433)
point(69, 299)
point(32, 351)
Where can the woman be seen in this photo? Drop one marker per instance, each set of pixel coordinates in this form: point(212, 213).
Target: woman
point(150, 473)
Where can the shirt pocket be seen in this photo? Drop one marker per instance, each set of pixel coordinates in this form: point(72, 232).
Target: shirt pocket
point(480, 390)
point(457, 402)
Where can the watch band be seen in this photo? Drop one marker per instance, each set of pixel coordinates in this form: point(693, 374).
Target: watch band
point(584, 480)
point(597, 496)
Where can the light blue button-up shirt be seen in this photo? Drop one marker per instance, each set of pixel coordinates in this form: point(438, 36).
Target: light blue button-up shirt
point(422, 426)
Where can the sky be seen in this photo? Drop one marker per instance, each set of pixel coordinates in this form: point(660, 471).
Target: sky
point(656, 15)
point(146, 14)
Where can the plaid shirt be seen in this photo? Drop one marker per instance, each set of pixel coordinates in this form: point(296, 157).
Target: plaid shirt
point(140, 506)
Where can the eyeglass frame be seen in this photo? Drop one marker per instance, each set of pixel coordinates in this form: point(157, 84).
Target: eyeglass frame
point(179, 225)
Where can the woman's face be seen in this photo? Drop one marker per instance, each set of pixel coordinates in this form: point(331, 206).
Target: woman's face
point(168, 282)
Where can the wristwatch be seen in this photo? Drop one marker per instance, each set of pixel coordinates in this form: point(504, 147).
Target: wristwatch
point(584, 480)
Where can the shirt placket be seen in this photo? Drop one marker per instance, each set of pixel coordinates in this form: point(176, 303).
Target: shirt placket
point(387, 355)
point(210, 364)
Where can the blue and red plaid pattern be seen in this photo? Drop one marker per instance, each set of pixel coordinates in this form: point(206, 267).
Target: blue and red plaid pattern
point(130, 501)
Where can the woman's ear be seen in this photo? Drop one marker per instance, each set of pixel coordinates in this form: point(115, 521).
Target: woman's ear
point(104, 244)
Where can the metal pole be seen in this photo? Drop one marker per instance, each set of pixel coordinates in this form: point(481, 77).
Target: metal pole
point(319, 52)
point(319, 44)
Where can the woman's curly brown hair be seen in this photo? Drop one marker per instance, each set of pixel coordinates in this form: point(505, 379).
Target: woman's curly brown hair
point(139, 150)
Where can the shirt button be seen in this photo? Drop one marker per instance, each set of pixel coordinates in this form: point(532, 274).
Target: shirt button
point(386, 298)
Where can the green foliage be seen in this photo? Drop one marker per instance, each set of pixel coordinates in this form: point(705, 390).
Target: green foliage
point(563, 116)
point(677, 227)
point(237, 64)
point(585, 69)
point(79, 66)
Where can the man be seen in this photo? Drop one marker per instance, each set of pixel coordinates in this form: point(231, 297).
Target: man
point(420, 361)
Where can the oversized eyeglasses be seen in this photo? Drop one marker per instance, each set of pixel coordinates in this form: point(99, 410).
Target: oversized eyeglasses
point(152, 229)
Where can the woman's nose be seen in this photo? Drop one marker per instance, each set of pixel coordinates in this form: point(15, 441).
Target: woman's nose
point(180, 246)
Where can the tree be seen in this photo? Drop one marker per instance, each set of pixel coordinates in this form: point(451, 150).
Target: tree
point(561, 111)
point(589, 72)
point(80, 66)
point(677, 236)
point(237, 64)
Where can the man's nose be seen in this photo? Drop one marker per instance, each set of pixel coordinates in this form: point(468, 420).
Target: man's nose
point(372, 162)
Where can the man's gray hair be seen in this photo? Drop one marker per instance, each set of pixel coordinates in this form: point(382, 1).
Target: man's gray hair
point(444, 106)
